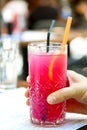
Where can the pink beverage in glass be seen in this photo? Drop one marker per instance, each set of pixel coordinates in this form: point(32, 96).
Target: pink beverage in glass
point(42, 84)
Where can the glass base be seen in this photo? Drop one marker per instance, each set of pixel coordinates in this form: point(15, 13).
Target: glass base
point(56, 123)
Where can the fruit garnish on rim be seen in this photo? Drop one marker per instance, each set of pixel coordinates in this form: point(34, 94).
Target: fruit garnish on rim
point(50, 69)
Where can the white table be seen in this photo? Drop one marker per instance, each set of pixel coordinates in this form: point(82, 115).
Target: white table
point(14, 114)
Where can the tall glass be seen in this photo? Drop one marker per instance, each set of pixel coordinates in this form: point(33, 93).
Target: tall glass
point(8, 62)
point(47, 71)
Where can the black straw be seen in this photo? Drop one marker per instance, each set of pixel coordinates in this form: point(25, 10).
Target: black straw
point(48, 34)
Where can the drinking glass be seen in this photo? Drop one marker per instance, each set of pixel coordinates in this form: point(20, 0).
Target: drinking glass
point(8, 63)
point(47, 67)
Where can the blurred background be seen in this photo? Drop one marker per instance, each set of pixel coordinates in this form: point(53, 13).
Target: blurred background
point(22, 20)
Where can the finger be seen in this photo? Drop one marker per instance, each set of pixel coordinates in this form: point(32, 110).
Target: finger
point(27, 93)
point(62, 95)
point(71, 106)
point(27, 102)
point(75, 77)
point(28, 79)
point(74, 106)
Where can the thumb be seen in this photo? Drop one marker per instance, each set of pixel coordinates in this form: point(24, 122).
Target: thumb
point(61, 95)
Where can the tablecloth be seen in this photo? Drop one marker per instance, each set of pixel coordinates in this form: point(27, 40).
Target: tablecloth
point(14, 114)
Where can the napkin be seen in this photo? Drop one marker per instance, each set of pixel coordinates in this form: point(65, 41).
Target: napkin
point(14, 114)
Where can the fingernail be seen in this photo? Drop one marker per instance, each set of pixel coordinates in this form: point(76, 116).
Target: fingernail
point(51, 99)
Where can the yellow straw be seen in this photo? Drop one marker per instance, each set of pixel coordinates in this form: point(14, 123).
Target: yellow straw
point(66, 33)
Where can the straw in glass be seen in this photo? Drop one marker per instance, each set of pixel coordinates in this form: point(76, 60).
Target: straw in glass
point(48, 34)
point(66, 33)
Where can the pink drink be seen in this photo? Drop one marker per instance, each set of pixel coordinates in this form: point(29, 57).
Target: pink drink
point(41, 86)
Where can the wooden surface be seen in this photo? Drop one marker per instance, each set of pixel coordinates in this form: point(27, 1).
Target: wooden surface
point(22, 83)
point(58, 35)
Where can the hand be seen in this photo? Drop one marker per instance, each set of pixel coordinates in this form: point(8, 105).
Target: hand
point(27, 92)
point(75, 94)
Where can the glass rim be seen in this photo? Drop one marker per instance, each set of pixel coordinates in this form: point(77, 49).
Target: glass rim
point(38, 44)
